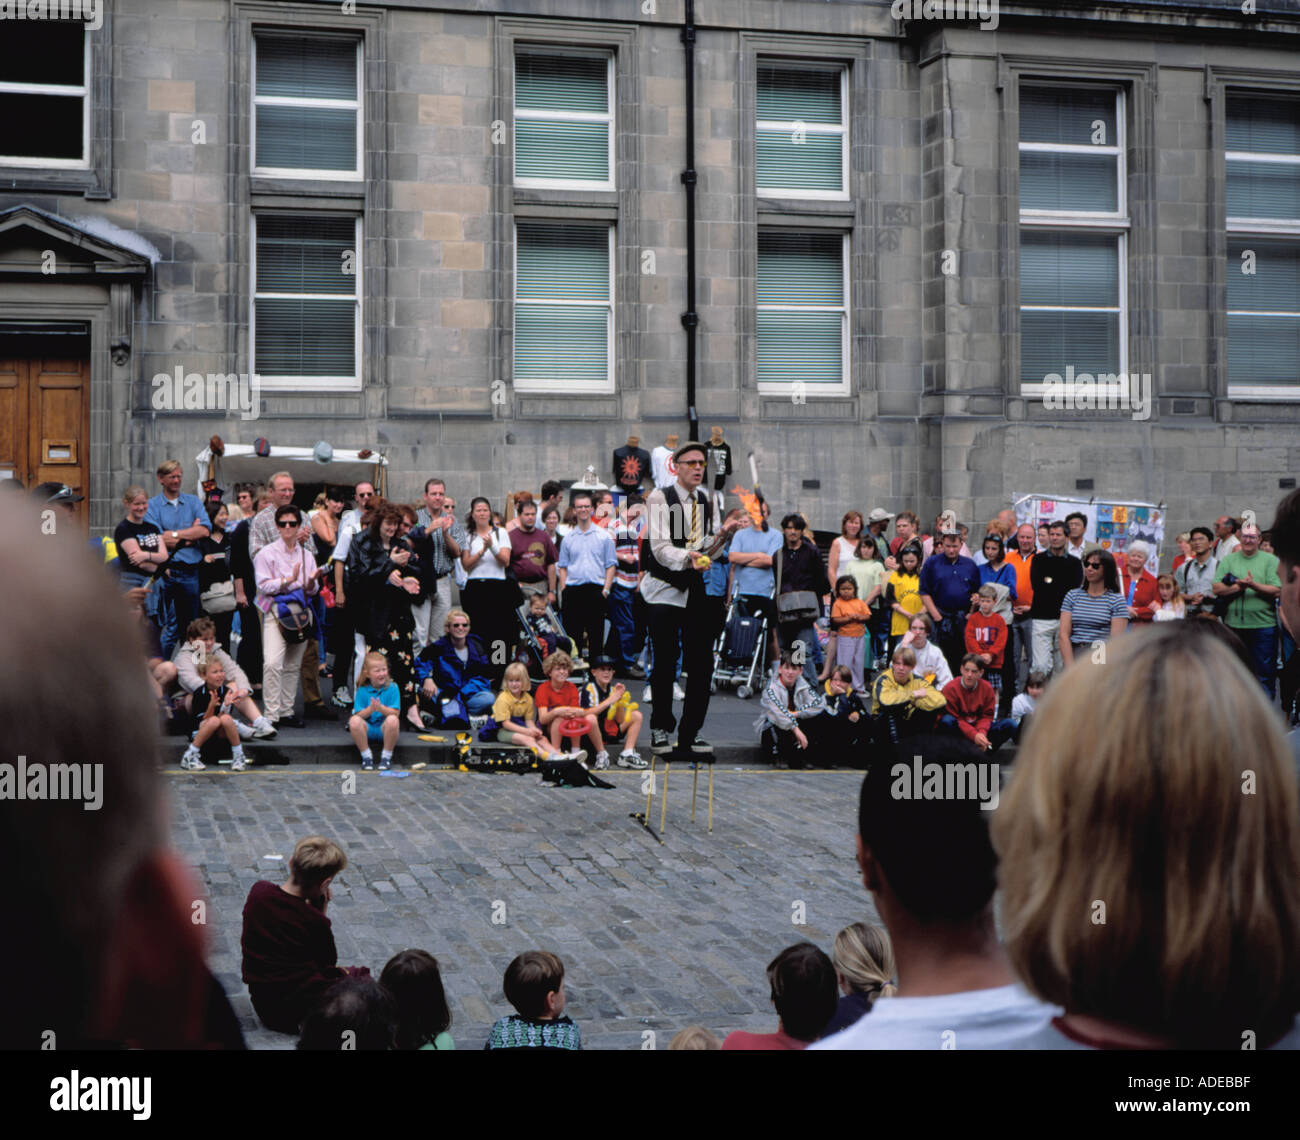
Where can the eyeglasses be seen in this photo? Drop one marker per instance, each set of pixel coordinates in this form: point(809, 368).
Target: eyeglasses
point(691, 463)
point(1092, 565)
point(283, 524)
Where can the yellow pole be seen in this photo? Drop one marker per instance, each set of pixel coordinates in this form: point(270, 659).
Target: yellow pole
point(695, 787)
point(650, 794)
point(710, 799)
point(663, 803)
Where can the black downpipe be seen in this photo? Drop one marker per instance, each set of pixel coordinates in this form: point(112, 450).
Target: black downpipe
point(690, 318)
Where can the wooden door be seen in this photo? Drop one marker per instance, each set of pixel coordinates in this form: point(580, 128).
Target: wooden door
point(45, 422)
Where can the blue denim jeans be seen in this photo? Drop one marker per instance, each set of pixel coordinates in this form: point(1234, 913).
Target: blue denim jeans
point(999, 732)
point(625, 637)
point(179, 604)
point(1262, 644)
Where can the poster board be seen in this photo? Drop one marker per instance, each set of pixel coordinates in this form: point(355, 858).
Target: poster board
point(1112, 523)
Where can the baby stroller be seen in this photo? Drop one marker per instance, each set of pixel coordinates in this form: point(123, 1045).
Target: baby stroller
point(741, 651)
point(532, 650)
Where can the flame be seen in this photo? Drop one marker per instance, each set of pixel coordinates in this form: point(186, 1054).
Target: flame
point(750, 502)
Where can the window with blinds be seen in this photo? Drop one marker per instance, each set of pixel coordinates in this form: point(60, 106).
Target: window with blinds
point(45, 94)
point(801, 136)
point(802, 326)
point(307, 106)
point(1262, 144)
point(564, 307)
point(1073, 236)
point(564, 120)
point(305, 327)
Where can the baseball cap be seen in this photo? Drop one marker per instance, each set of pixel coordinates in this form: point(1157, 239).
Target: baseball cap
point(55, 493)
point(603, 661)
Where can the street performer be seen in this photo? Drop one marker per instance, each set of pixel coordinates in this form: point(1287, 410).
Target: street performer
point(679, 542)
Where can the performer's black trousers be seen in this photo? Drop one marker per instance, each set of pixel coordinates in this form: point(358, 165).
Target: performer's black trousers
point(584, 618)
point(692, 629)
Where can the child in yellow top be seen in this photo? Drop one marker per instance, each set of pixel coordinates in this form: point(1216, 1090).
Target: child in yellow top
point(515, 714)
point(903, 593)
point(903, 704)
point(849, 617)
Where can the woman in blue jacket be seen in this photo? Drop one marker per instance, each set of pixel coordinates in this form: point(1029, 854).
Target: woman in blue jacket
point(454, 676)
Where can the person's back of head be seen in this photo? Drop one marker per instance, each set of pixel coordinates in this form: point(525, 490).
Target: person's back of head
point(414, 980)
point(864, 958)
point(97, 902)
point(314, 860)
point(354, 1013)
point(694, 1037)
point(804, 991)
point(530, 979)
point(932, 854)
point(1151, 859)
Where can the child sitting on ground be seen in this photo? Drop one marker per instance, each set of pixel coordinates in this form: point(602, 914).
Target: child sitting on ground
point(543, 628)
point(848, 714)
point(289, 957)
point(1025, 703)
point(215, 700)
point(794, 715)
point(534, 985)
point(986, 636)
point(424, 1018)
point(559, 706)
point(375, 711)
point(864, 967)
point(622, 719)
point(516, 714)
point(903, 704)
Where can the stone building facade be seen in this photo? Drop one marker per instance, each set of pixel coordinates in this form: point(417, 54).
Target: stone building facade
point(138, 254)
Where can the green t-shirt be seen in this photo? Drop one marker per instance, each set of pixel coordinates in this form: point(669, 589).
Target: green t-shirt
point(1251, 610)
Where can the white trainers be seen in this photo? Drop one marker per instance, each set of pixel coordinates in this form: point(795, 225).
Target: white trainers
point(678, 695)
point(630, 758)
point(557, 756)
point(645, 697)
point(240, 765)
point(191, 762)
point(245, 730)
point(580, 755)
point(602, 761)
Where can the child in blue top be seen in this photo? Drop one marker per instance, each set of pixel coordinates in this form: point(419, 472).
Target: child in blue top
point(375, 710)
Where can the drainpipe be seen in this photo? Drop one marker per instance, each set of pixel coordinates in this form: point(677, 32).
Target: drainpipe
point(690, 318)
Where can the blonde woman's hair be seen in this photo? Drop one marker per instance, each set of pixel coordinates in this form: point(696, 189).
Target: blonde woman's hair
point(132, 493)
point(316, 859)
point(864, 957)
point(318, 503)
point(1178, 814)
point(363, 678)
point(517, 670)
point(695, 1037)
point(446, 625)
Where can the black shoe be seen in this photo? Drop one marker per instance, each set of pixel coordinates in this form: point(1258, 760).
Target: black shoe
point(318, 712)
point(636, 672)
point(288, 722)
point(698, 747)
point(660, 742)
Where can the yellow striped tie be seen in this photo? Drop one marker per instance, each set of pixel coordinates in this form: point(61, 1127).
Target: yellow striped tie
point(696, 536)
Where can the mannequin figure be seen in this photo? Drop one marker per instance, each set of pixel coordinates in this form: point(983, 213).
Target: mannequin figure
point(662, 467)
point(719, 459)
point(631, 466)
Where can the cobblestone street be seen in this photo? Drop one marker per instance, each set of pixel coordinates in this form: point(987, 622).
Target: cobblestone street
point(653, 937)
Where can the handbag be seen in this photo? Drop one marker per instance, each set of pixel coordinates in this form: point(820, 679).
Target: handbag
point(219, 598)
point(293, 615)
point(798, 607)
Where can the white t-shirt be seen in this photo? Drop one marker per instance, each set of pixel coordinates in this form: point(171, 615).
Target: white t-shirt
point(487, 567)
point(1022, 706)
point(661, 472)
point(1001, 1018)
point(1049, 1037)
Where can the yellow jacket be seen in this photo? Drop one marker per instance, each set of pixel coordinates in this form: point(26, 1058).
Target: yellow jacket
point(887, 692)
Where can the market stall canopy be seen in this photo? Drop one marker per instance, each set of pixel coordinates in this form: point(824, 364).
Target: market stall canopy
point(240, 463)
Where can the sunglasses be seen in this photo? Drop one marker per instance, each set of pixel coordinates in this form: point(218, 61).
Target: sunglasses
point(1092, 565)
point(460, 625)
point(692, 463)
point(285, 523)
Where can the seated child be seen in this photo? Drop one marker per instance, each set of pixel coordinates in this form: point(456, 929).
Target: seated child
point(360, 1007)
point(986, 636)
point(543, 628)
point(804, 994)
point(534, 985)
point(423, 1016)
point(787, 701)
point(289, 957)
point(1024, 704)
point(972, 706)
point(558, 704)
point(903, 704)
point(864, 968)
point(375, 711)
point(515, 714)
point(622, 719)
point(200, 644)
point(848, 714)
point(215, 699)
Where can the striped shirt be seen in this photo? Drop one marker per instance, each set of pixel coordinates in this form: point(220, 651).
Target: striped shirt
point(1090, 615)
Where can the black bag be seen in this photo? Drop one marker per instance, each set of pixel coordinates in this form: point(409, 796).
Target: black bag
point(798, 607)
point(571, 774)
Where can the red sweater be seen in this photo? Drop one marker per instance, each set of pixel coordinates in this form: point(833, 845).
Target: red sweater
point(986, 635)
point(1143, 596)
point(973, 709)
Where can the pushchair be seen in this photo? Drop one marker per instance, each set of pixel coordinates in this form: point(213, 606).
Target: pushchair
point(531, 651)
point(741, 650)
